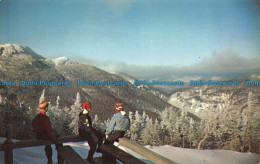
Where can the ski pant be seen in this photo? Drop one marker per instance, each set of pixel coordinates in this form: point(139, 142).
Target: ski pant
point(47, 149)
point(114, 136)
point(99, 136)
point(92, 142)
point(95, 138)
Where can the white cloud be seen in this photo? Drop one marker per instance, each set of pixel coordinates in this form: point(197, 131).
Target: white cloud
point(220, 63)
point(227, 62)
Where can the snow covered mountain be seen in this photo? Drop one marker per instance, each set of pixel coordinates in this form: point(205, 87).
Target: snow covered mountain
point(201, 99)
point(18, 51)
point(63, 61)
point(24, 75)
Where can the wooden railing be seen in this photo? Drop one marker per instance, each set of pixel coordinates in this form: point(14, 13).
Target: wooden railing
point(111, 153)
point(8, 145)
point(150, 155)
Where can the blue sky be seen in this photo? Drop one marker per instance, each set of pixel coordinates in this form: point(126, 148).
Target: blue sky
point(135, 32)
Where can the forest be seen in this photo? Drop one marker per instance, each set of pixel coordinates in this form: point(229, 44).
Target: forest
point(219, 128)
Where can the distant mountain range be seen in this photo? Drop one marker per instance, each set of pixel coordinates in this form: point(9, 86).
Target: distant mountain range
point(201, 99)
point(24, 75)
point(23, 66)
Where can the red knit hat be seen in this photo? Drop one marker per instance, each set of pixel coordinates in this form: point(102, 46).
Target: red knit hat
point(87, 106)
point(43, 105)
point(119, 107)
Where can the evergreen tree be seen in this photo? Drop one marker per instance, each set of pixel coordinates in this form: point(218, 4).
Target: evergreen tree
point(192, 133)
point(250, 122)
point(1, 100)
point(66, 120)
point(136, 128)
point(95, 121)
point(58, 102)
point(177, 137)
point(42, 98)
point(184, 126)
point(32, 112)
point(168, 123)
point(208, 125)
point(147, 132)
point(128, 133)
point(156, 132)
point(78, 100)
point(144, 116)
point(74, 113)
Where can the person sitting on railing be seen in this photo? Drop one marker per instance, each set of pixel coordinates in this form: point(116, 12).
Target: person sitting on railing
point(43, 129)
point(88, 132)
point(118, 125)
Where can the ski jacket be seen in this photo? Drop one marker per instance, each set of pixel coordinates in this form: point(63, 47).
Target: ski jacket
point(119, 122)
point(42, 124)
point(84, 124)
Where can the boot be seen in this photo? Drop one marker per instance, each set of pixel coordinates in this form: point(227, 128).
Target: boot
point(90, 160)
point(98, 150)
point(50, 162)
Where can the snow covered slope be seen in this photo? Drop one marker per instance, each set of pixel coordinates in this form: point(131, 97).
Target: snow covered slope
point(191, 156)
point(36, 155)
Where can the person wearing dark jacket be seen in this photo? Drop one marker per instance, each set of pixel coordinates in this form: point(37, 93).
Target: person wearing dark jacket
point(43, 129)
point(88, 132)
point(118, 125)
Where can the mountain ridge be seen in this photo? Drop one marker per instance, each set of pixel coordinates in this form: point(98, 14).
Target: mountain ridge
point(18, 66)
point(18, 50)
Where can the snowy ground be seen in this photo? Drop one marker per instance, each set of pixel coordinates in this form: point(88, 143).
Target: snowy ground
point(35, 155)
point(191, 156)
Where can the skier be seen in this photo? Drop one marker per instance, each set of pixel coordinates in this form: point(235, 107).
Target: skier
point(88, 132)
point(43, 129)
point(118, 125)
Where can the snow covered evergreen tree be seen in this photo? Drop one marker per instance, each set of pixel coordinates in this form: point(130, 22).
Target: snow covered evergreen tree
point(136, 128)
point(74, 113)
point(184, 126)
point(192, 133)
point(251, 122)
point(147, 132)
point(42, 98)
point(58, 102)
point(66, 120)
point(168, 124)
point(207, 126)
point(1, 100)
point(128, 133)
point(144, 116)
point(95, 121)
point(32, 112)
point(156, 133)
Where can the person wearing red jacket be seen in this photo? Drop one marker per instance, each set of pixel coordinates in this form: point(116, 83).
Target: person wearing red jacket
point(43, 129)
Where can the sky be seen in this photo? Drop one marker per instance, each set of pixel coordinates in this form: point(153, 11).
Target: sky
point(140, 33)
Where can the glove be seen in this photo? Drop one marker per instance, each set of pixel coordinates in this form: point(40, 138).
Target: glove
point(106, 136)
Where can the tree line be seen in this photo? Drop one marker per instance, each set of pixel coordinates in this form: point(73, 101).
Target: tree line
point(219, 128)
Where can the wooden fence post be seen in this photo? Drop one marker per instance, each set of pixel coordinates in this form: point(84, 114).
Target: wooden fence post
point(60, 159)
point(8, 146)
point(106, 158)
